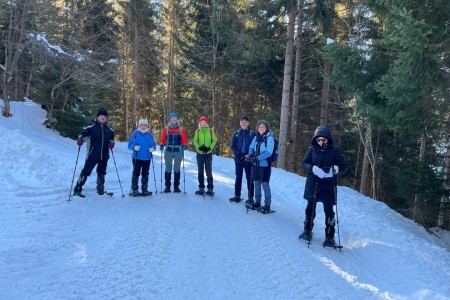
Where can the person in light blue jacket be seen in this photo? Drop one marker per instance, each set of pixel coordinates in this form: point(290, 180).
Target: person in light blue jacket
point(260, 151)
point(143, 144)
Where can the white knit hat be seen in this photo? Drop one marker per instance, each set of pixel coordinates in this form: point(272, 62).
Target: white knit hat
point(143, 121)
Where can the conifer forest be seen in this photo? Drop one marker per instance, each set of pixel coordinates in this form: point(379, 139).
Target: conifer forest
point(376, 72)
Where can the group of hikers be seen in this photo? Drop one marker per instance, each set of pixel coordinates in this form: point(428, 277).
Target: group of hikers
point(252, 155)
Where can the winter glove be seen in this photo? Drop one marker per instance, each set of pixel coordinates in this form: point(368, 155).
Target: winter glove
point(336, 169)
point(246, 158)
point(203, 148)
point(161, 147)
point(136, 148)
point(318, 172)
point(111, 145)
point(80, 142)
point(183, 148)
point(330, 173)
point(207, 149)
point(152, 149)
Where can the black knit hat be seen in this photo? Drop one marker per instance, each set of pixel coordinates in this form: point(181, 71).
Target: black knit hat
point(244, 118)
point(102, 112)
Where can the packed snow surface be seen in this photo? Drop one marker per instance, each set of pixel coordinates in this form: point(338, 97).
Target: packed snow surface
point(183, 246)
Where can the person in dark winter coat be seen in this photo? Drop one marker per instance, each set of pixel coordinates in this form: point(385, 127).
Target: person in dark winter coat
point(204, 141)
point(143, 144)
point(99, 137)
point(174, 140)
point(260, 151)
point(240, 144)
point(323, 162)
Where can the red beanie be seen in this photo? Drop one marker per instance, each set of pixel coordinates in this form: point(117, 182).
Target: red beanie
point(203, 119)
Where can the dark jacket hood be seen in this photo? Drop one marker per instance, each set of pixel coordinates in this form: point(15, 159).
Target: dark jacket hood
point(322, 131)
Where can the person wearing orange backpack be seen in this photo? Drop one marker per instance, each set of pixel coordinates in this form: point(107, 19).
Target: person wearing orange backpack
point(204, 141)
point(174, 140)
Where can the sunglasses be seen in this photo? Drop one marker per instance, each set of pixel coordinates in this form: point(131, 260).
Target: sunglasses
point(321, 140)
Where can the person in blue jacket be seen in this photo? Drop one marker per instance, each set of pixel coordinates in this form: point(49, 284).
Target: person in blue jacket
point(260, 151)
point(143, 144)
point(240, 144)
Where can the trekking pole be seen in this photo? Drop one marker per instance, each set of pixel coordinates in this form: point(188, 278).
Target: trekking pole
point(313, 210)
point(154, 175)
point(184, 175)
point(120, 184)
point(73, 177)
point(337, 214)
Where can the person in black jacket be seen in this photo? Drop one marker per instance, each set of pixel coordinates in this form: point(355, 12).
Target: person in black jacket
point(240, 145)
point(323, 162)
point(99, 137)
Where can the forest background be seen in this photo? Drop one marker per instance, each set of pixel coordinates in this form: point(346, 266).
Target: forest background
point(375, 71)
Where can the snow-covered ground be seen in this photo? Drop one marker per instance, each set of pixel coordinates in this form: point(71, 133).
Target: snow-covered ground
point(186, 246)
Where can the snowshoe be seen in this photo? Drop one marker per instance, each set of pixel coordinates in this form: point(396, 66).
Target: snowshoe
point(253, 206)
point(306, 235)
point(236, 199)
point(210, 193)
point(265, 210)
point(167, 190)
point(330, 242)
point(176, 190)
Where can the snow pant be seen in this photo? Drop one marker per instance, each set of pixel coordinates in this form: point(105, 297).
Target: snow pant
point(173, 158)
point(310, 214)
point(140, 167)
point(176, 179)
point(240, 167)
point(89, 165)
point(204, 161)
point(261, 178)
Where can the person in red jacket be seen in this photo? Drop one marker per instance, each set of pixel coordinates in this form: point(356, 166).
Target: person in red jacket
point(173, 140)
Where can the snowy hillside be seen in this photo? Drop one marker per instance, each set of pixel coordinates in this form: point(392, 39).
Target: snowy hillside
point(187, 246)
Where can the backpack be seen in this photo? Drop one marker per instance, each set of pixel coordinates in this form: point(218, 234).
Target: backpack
point(274, 156)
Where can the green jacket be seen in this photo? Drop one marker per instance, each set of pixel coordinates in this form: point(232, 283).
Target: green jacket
point(205, 137)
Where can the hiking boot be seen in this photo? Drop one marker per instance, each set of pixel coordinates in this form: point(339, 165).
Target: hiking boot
point(176, 189)
point(250, 201)
point(329, 242)
point(146, 193)
point(200, 192)
point(134, 193)
point(79, 194)
point(236, 199)
point(167, 190)
point(255, 205)
point(210, 192)
point(306, 235)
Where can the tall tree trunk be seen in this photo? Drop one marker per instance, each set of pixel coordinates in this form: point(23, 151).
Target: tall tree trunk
point(284, 119)
point(296, 97)
point(171, 56)
point(417, 201)
point(136, 72)
point(364, 188)
point(444, 211)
